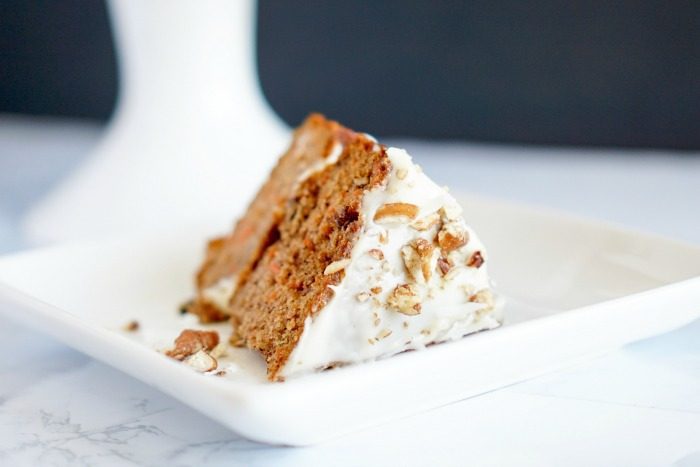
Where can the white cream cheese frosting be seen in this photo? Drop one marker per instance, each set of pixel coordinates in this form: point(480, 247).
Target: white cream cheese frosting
point(219, 294)
point(330, 159)
point(416, 276)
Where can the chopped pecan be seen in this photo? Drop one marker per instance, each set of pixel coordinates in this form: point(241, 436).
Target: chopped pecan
point(444, 265)
point(475, 260)
point(396, 212)
point(417, 257)
point(191, 341)
point(404, 299)
point(452, 236)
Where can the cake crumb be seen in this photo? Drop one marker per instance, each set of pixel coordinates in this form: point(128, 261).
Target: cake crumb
point(132, 326)
point(384, 237)
point(376, 290)
point(185, 307)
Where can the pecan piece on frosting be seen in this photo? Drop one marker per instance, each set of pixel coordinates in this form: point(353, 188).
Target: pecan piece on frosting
point(396, 212)
point(404, 299)
point(452, 236)
point(475, 260)
point(417, 256)
point(191, 341)
point(424, 223)
point(444, 265)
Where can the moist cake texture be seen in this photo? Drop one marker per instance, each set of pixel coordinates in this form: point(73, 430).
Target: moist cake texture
point(348, 253)
point(229, 259)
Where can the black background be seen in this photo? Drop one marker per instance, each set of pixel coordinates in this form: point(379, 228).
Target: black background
point(623, 73)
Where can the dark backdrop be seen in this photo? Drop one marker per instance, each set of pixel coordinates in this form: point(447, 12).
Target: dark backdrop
point(584, 72)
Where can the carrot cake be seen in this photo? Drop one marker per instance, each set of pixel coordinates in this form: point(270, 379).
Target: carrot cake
point(348, 253)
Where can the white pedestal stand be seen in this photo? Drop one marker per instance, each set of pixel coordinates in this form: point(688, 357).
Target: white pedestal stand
point(192, 135)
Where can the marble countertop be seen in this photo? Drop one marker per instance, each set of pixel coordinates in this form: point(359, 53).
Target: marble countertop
point(637, 406)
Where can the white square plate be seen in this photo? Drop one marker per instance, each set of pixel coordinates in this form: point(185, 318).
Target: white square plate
point(574, 289)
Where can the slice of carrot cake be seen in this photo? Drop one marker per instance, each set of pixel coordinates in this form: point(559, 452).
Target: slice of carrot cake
point(348, 253)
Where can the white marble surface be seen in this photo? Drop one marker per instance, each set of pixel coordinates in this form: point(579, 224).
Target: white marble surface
point(638, 406)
